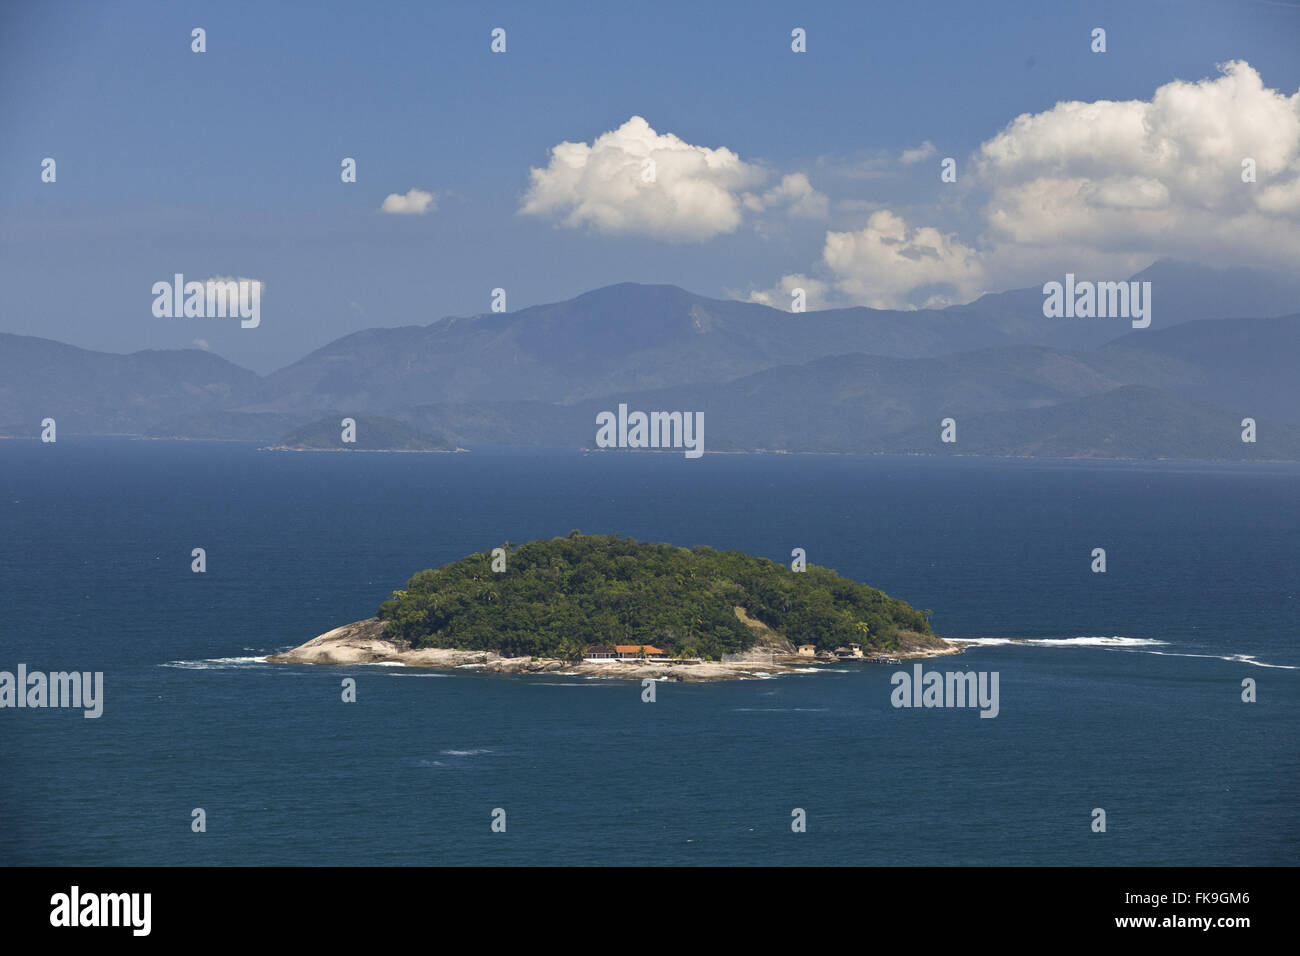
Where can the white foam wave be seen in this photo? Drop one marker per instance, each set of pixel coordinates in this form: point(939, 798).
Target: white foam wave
point(216, 663)
point(1135, 645)
point(1064, 641)
point(781, 710)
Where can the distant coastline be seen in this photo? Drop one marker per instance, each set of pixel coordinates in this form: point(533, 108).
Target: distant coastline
point(967, 456)
point(382, 451)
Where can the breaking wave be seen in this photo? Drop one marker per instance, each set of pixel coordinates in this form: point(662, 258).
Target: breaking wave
point(1133, 645)
point(1065, 641)
point(217, 663)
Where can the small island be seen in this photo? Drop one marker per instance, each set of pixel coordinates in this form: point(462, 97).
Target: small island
point(604, 605)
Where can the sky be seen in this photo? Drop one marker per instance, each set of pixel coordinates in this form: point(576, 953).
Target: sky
point(526, 170)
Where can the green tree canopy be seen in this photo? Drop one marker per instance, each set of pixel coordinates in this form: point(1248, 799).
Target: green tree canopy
point(557, 597)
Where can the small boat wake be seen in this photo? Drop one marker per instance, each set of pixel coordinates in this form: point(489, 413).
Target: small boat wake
point(1233, 658)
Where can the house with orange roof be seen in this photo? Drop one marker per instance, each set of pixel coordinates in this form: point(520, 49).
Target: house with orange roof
point(634, 651)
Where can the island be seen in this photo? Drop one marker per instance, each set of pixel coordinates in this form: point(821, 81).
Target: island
point(610, 606)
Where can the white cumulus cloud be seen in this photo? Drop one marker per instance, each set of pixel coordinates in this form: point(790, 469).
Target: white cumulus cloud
point(884, 263)
point(1161, 177)
point(880, 264)
point(1101, 188)
point(635, 181)
point(817, 294)
point(416, 202)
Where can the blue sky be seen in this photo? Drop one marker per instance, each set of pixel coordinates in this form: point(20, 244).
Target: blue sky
point(227, 162)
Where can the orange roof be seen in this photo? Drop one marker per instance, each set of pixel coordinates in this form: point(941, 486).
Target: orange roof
point(636, 649)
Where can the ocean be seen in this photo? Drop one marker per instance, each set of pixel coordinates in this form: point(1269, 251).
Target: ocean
point(1125, 693)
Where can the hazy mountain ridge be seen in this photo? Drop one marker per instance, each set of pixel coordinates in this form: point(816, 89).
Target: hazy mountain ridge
point(1040, 403)
point(837, 380)
point(104, 393)
point(638, 337)
point(1251, 362)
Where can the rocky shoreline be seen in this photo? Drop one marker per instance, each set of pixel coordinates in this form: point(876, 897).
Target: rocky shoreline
point(363, 642)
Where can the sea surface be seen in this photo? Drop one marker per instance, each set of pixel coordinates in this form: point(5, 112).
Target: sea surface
point(1126, 694)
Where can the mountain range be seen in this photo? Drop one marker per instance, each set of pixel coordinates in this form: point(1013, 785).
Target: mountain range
point(1221, 347)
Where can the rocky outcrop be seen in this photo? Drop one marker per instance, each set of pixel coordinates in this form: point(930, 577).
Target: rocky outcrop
point(363, 642)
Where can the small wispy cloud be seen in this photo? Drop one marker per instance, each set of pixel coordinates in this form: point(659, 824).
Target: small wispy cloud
point(909, 156)
point(795, 194)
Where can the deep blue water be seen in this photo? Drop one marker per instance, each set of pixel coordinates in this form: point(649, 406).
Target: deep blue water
point(95, 541)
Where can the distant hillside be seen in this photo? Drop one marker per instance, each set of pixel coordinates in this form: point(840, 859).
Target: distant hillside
point(1249, 363)
point(1181, 292)
point(230, 426)
point(640, 337)
point(855, 402)
point(372, 434)
point(1013, 402)
point(101, 393)
point(1129, 422)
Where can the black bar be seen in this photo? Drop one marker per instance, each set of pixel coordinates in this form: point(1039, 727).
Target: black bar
point(333, 905)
